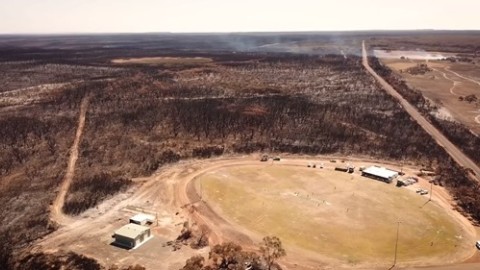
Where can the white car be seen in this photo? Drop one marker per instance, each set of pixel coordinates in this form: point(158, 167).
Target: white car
point(478, 244)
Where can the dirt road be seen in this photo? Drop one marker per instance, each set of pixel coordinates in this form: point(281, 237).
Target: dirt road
point(56, 213)
point(449, 147)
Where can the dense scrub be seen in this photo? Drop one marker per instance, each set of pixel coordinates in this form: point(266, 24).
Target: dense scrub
point(460, 136)
point(322, 111)
point(18, 75)
point(295, 104)
point(32, 163)
point(62, 260)
point(88, 192)
point(58, 261)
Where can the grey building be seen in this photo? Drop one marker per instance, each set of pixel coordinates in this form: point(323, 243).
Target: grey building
point(132, 235)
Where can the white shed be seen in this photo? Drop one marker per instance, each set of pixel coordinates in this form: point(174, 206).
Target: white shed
point(380, 173)
point(142, 219)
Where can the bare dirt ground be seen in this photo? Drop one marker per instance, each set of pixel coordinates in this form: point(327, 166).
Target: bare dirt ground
point(56, 213)
point(409, 55)
point(29, 95)
point(444, 85)
point(172, 195)
point(449, 147)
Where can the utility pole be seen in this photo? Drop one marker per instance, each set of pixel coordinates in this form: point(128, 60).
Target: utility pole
point(396, 245)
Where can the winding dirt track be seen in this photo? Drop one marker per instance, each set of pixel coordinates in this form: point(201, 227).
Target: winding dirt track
point(441, 140)
point(476, 118)
point(56, 213)
point(455, 83)
point(463, 77)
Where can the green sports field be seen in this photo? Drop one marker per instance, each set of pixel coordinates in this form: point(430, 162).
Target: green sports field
point(334, 214)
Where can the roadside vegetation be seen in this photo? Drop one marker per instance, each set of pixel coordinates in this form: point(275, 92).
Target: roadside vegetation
point(450, 175)
point(455, 132)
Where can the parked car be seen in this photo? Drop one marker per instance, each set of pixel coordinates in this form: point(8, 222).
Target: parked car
point(424, 192)
point(478, 244)
point(276, 158)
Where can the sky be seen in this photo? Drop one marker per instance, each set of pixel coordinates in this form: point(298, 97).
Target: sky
point(112, 16)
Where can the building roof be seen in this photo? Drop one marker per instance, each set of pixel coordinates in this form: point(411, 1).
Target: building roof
point(131, 230)
point(142, 217)
point(380, 172)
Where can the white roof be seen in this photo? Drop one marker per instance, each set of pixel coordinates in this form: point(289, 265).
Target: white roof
point(380, 172)
point(131, 230)
point(142, 217)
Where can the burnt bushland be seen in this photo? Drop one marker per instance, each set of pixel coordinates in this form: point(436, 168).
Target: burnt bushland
point(143, 117)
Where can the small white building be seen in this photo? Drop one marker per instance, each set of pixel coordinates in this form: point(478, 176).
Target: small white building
point(142, 219)
point(132, 235)
point(380, 173)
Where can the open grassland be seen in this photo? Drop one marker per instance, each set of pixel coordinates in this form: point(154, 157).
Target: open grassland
point(447, 84)
point(340, 216)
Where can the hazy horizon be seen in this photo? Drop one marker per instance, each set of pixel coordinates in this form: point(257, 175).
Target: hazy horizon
point(237, 32)
point(215, 16)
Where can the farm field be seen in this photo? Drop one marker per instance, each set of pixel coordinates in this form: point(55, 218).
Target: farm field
point(447, 85)
point(340, 217)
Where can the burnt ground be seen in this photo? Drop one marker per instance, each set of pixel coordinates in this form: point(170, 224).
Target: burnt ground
point(255, 96)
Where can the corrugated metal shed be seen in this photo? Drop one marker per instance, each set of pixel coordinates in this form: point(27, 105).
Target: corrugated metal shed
point(380, 172)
